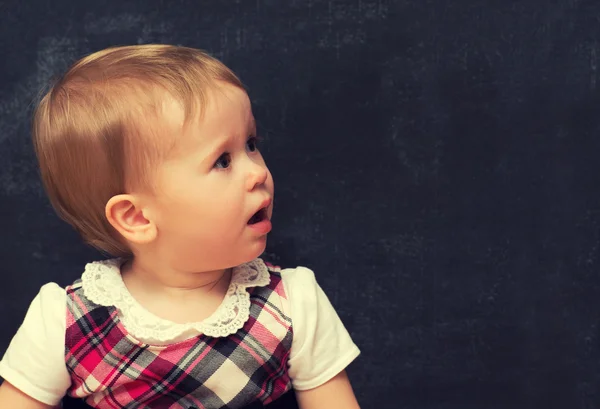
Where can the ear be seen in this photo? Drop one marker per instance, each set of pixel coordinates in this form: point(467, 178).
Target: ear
point(126, 215)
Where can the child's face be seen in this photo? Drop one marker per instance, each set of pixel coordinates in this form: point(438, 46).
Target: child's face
point(210, 188)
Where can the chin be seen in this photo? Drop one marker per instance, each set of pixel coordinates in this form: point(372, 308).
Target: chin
point(256, 250)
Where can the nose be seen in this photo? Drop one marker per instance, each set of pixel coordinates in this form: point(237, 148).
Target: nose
point(257, 175)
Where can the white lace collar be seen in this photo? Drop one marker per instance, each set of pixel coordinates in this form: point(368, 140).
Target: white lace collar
point(102, 284)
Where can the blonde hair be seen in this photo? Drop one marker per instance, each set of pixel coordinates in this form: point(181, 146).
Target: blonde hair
point(90, 130)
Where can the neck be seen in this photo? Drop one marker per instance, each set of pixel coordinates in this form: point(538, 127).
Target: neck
point(163, 280)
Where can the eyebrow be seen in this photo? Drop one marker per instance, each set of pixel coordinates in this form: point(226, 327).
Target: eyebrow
point(221, 146)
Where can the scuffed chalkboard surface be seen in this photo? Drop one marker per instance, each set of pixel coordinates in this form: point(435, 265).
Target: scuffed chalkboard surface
point(437, 163)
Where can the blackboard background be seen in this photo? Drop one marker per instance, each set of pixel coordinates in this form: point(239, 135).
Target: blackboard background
point(436, 164)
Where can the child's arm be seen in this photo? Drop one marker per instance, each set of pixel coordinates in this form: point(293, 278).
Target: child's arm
point(334, 394)
point(11, 397)
point(321, 349)
point(34, 367)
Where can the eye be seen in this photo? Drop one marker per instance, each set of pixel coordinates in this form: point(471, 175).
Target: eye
point(252, 144)
point(223, 162)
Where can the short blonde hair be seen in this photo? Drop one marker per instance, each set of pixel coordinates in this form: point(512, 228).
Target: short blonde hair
point(90, 129)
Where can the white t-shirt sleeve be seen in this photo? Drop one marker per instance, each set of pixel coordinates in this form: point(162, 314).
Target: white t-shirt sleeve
point(321, 347)
point(35, 360)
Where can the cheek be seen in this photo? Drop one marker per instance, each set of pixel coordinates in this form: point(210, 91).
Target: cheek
point(198, 213)
point(175, 211)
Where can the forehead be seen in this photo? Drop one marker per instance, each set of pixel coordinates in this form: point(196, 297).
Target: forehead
point(226, 107)
point(226, 112)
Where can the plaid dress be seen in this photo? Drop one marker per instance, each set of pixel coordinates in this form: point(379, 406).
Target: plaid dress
point(114, 370)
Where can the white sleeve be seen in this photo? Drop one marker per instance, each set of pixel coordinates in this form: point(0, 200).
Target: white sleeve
point(321, 347)
point(34, 362)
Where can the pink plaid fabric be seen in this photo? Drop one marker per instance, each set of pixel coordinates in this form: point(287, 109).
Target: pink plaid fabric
point(113, 370)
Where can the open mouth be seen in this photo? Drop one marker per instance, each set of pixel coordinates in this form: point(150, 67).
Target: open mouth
point(258, 216)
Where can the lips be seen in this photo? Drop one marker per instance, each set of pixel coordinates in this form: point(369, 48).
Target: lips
point(261, 214)
point(258, 216)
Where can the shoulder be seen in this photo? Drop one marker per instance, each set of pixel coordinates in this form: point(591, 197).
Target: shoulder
point(293, 286)
point(298, 275)
point(47, 311)
point(299, 282)
point(52, 291)
point(290, 275)
point(298, 289)
point(50, 301)
point(291, 280)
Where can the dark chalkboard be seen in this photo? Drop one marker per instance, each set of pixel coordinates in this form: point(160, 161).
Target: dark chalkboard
point(437, 163)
